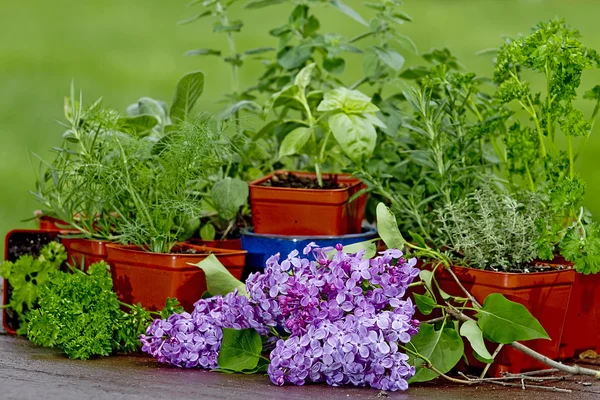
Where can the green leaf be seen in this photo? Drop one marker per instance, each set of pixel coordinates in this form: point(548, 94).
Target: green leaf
point(425, 304)
point(369, 247)
point(355, 135)
point(291, 57)
point(294, 141)
point(406, 42)
point(387, 227)
point(208, 232)
point(188, 90)
point(140, 125)
point(504, 321)
point(263, 3)
point(247, 105)
point(240, 349)
point(203, 52)
point(471, 331)
point(218, 279)
point(427, 277)
point(335, 65)
point(402, 16)
point(303, 78)
point(349, 11)
point(233, 26)
point(348, 101)
point(390, 57)
point(370, 63)
point(259, 50)
point(443, 348)
point(195, 18)
point(228, 196)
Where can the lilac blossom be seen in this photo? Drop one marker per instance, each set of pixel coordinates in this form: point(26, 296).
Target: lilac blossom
point(344, 319)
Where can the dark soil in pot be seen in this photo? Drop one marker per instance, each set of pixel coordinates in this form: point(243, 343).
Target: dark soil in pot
point(19, 243)
point(290, 180)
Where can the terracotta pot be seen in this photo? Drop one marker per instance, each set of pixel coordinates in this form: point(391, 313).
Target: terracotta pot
point(48, 223)
point(10, 321)
point(149, 278)
point(307, 212)
point(582, 328)
point(84, 252)
point(545, 294)
point(229, 244)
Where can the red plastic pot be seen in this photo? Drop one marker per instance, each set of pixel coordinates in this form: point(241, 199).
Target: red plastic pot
point(229, 244)
point(85, 252)
point(47, 223)
point(149, 278)
point(545, 294)
point(582, 328)
point(307, 212)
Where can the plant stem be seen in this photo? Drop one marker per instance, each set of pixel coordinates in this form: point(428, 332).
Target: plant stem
point(571, 160)
point(487, 367)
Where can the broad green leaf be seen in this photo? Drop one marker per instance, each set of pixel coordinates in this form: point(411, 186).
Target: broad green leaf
point(418, 239)
point(349, 11)
point(370, 64)
point(387, 227)
point(471, 331)
point(291, 57)
point(240, 349)
point(247, 105)
point(334, 65)
point(229, 195)
point(406, 42)
point(349, 101)
point(195, 18)
point(427, 276)
point(355, 135)
point(189, 88)
point(374, 120)
point(369, 247)
point(203, 52)
point(443, 348)
point(140, 125)
point(149, 106)
point(504, 321)
point(218, 279)
point(425, 304)
point(303, 78)
point(402, 16)
point(390, 57)
point(294, 141)
point(208, 232)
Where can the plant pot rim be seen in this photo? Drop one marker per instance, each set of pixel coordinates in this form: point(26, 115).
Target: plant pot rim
point(297, 238)
point(568, 269)
point(205, 250)
point(353, 181)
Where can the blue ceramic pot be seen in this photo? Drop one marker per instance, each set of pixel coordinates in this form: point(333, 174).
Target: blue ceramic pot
point(261, 246)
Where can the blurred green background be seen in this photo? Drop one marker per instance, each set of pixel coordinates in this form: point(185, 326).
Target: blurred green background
point(124, 49)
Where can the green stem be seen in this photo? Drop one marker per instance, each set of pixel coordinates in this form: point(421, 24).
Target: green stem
point(571, 160)
point(322, 153)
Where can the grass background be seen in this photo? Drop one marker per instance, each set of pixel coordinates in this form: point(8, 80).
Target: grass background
point(124, 49)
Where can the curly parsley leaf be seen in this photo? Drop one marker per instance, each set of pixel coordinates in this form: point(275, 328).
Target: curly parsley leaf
point(582, 247)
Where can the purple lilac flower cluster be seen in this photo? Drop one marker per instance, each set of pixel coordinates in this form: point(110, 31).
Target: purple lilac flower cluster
point(193, 340)
point(345, 318)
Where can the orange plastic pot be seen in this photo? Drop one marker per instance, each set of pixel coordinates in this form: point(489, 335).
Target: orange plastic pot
point(229, 244)
point(545, 294)
point(149, 278)
point(47, 223)
point(307, 212)
point(84, 252)
point(582, 329)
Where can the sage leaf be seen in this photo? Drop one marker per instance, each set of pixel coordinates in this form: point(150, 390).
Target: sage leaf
point(240, 350)
point(444, 348)
point(294, 141)
point(387, 227)
point(208, 232)
point(229, 195)
point(189, 88)
point(504, 321)
point(355, 135)
point(219, 280)
point(425, 304)
point(474, 335)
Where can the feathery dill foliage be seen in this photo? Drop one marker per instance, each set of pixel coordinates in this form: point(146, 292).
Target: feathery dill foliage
point(494, 229)
point(75, 186)
point(158, 204)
